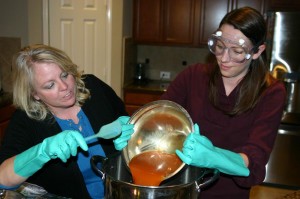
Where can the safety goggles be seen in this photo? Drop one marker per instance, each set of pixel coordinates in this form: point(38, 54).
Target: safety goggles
point(238, 51)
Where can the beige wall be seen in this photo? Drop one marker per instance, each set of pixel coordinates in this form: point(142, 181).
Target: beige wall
point(14, 19)
point(127, 17)
point(116, 75)
point(35, 21)
point(22, 19)
point(13, 35)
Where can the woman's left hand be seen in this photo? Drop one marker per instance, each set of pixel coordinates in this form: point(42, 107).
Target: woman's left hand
point(199, 151)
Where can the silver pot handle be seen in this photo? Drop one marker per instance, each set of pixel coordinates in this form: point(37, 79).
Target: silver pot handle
point(98, 159)
point(2, 193)
point(215, 175)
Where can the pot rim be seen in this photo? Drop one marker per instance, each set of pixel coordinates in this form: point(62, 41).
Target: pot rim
point(198, 182)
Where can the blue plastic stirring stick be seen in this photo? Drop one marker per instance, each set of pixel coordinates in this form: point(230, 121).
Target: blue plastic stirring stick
point(90, 137)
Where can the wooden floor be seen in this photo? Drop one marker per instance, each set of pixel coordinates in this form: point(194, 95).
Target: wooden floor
point(266, 192)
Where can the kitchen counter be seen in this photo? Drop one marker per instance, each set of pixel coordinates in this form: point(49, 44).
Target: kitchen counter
point(149, 85)
point(137, 95)
point(272, 192)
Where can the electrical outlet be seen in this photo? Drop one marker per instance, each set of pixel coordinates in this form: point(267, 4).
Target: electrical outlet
point(165, 75)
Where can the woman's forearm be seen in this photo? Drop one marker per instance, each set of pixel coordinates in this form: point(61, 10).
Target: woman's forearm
point(245, 158)
point(8, 177)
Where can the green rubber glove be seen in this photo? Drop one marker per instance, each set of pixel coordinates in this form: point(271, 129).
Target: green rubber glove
point(121, 141)
point(115, 128)
point(199, 151)
point(62, 146)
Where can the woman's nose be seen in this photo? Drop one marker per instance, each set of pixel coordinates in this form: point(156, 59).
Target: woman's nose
point(225, 56)
point(63, 85)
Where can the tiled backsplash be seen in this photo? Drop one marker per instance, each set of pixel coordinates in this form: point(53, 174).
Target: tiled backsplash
point(8, 47)
point(170, 59)
point(162, 58)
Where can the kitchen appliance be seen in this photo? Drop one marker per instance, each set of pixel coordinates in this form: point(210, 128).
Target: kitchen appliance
point(283, 54)
point(283, 168)
point(283, 41)
point(188, 183)
point(140, 76)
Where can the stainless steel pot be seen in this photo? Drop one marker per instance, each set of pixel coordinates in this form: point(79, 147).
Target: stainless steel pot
point(118, 181)
point(8, 194)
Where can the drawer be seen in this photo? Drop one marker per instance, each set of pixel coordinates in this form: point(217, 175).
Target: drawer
point(6, 112)
point(5, 115)
point(131, 109)
point(140, 98)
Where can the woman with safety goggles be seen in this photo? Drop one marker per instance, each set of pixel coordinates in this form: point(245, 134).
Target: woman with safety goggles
point(236, 106)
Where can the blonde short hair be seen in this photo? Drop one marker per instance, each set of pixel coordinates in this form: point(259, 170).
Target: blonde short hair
point(23, 78)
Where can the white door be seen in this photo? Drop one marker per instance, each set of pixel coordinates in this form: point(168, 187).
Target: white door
point(79, 28)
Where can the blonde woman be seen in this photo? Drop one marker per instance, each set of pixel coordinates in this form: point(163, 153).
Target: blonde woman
point(57, 107)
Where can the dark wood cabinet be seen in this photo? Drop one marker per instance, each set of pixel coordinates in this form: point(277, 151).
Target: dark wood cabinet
point(191, 22)
point(212, 12)
point(135, 99)
point(182, 22)
point(5, 115)
point(137, 95)
point(166, 21)
point(147, 20)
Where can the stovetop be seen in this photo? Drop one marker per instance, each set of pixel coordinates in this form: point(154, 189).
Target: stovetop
point(284, 162)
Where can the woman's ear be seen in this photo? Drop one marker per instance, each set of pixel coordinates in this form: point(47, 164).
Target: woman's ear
point(35, 96)
point(261, 49)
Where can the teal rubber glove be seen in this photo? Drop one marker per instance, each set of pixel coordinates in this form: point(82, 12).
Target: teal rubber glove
point(199, 151)
point(115, 128)
point(122, 141)
point(61, 146)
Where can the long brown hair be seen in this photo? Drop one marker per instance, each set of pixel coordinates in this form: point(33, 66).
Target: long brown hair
point(252, 24)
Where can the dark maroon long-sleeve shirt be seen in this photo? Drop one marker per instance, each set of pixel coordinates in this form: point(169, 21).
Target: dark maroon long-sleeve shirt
point(252, 133)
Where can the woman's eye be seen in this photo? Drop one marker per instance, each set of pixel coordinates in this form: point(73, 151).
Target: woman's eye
point(49, 86)
point(64, 75)
point(238, 51)
point(219, 47)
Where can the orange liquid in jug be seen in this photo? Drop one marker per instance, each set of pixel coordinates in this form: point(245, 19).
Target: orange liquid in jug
point(151, 167)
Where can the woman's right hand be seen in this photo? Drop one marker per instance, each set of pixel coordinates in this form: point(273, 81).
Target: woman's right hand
point(122, 141)
point(61, 146)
